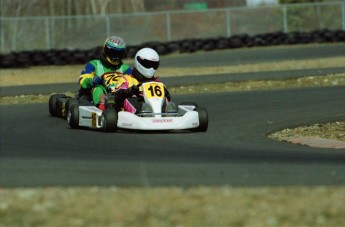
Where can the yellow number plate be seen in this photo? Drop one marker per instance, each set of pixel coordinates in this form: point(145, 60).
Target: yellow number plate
point(154, 90)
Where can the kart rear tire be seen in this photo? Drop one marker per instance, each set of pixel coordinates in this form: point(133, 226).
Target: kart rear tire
point(109, 120)
point(203, 119)
point(53, 104)
point(73, 116)
point(70, 102)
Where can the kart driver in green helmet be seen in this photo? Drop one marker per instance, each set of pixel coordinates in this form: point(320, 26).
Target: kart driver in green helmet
point(110, 61)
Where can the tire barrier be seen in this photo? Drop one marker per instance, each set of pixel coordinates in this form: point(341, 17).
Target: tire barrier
point(71, 57)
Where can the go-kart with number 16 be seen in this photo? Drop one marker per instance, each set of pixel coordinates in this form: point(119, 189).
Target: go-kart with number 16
point(155, 114)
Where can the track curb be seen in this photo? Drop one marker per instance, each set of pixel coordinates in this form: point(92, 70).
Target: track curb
point(316, 141)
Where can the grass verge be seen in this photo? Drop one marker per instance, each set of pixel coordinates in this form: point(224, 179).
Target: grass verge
point(251, 85)
point(174, 206)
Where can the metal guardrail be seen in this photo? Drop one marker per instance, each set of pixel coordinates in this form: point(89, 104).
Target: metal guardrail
point(83, 32)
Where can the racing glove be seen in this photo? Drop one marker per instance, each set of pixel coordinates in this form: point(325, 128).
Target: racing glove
point(134, 90)
point(96, 80)
point(122, 94)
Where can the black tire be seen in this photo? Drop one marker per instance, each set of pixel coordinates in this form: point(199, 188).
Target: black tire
point(70, 102)
point(189, 104)
point(73, 116)
point(203, 119)
point(53, 102)
point(109, 120)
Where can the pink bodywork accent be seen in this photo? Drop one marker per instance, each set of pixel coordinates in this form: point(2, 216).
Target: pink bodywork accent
point(127, 106)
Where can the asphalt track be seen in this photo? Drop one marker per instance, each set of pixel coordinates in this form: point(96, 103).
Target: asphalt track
point(39, 150)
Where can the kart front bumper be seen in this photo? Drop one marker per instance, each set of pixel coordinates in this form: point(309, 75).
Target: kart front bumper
point(128, 120)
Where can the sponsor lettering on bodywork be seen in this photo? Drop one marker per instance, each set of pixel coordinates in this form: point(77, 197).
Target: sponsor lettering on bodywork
point(127, 124)
point(158, 121)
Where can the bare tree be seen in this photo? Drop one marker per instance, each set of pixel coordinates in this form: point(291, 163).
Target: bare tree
point(137, 5)
point(93, 7)
point(104, 5)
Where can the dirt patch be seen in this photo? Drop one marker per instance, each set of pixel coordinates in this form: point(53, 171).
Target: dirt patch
point(327, 135)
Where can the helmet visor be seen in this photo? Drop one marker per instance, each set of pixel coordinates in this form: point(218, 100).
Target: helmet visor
point(148, 64)
point(113, 53)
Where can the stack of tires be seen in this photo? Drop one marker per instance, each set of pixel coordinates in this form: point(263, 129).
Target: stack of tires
point(72, 57)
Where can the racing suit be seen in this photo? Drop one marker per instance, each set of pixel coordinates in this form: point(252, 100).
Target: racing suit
point(98, 68)
point(121, 86)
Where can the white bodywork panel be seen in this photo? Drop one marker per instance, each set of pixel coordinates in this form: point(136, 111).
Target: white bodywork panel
point(89, 116)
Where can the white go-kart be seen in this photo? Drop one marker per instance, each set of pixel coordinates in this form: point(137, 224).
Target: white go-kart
point(155, 114)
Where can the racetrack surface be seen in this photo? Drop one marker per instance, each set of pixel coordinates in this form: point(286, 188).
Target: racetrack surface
point(39, 150)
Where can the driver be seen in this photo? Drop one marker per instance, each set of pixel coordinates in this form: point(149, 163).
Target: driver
point(146, 63)
point(90, 80)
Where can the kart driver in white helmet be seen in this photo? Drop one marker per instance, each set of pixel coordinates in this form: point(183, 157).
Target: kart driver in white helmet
point(125, 87)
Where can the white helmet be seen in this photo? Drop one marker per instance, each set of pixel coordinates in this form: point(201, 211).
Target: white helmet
point(146, 62)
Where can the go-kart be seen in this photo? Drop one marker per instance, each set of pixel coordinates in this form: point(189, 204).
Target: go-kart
point(155, 113)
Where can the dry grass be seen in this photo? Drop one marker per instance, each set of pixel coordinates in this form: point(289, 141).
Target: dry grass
point(310, 81)
point(331, 130)
point(70, 74)
point(175, 206)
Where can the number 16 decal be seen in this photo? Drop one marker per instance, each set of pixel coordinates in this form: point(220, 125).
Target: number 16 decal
point(154, 90)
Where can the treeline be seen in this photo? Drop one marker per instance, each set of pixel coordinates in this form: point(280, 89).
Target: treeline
point(304, 1)
point(16, 8)
point(19, 8)
point(70, 57)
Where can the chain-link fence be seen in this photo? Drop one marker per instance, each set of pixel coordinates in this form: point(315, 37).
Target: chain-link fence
point(84, 32)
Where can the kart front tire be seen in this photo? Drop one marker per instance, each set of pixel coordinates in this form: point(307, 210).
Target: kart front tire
point(203, 119)
point(53, 104)
point(109, 120)
point(73, 116)
point(189, 104)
